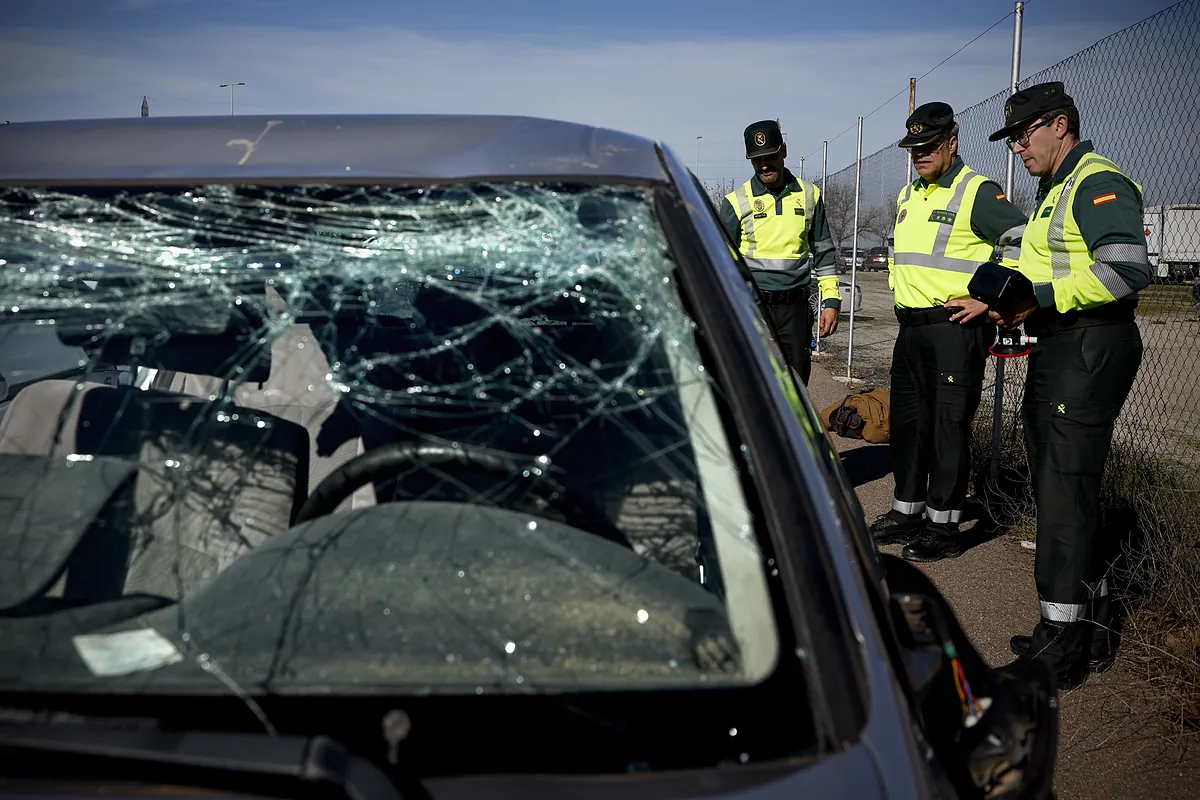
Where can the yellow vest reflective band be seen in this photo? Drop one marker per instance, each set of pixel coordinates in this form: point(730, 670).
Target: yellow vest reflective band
point(775, 232)
point(1053, 246)
point(936, 250)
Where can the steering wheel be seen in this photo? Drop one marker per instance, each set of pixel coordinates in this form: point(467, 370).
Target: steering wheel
point(392, 459)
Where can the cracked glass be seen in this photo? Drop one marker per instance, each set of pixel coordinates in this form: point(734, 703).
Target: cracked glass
point(363, 439)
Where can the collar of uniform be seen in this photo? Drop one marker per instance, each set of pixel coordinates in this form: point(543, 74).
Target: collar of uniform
point(1069, 163)
point(947, 178)
point(792, 185)
point(949, 175)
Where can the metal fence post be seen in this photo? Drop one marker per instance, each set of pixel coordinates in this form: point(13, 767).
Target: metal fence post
point(912, 106)
point(854, 254)
point(824, 199)
point(998, 390)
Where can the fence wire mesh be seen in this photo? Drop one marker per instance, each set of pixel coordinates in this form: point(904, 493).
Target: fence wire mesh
point(1138, 92)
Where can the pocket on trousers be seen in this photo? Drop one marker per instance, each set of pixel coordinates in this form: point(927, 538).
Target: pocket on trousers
point(954, 393)
point(1079, 435)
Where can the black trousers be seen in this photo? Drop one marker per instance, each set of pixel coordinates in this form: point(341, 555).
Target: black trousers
point(937, 382)
point(1077, 383)
point(792, 317)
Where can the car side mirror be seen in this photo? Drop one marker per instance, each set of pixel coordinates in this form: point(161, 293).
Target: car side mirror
point(922, 631)
point(1003, 743)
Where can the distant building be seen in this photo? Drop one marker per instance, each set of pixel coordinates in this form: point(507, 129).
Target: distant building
point(145, 107)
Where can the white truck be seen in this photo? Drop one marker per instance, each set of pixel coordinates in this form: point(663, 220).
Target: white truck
point(1173, 242)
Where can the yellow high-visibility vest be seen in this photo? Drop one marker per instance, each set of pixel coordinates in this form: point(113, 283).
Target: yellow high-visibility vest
point(936, 252)
point(1053, 246)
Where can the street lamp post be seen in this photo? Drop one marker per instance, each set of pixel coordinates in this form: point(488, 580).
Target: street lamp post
point(698, 138)
point(230, 87)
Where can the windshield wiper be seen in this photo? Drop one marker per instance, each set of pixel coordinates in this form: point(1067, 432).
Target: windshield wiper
point(140, 750)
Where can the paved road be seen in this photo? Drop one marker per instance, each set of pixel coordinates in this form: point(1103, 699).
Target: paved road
point(1113, 744)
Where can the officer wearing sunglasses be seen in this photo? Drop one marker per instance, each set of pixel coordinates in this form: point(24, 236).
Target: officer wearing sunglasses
point(1085, 253)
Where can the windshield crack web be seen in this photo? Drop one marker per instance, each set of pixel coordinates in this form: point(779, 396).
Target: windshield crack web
point(528, 336)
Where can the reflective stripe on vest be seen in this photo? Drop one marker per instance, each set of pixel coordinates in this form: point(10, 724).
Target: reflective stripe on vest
point(936, 250)
point(777, 241)
point(1053, 246)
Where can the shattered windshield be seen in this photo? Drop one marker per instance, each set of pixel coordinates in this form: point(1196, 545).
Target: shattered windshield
point(359, 439)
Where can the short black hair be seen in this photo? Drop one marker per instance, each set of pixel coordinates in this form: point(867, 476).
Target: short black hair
point(1072, 115)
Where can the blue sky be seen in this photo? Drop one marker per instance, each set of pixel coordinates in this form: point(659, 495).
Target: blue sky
point(670, 70)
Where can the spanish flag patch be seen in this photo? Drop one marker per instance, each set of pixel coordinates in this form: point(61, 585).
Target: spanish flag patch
point(1104, 198)
point(1000, 196)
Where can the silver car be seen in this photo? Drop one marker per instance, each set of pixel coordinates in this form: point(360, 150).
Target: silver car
point(458, 463)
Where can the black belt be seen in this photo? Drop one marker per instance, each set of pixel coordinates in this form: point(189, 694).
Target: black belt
point(787, 298)
point(913, 317)
point(1048, 321)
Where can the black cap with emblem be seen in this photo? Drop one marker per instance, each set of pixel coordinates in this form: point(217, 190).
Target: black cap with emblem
point(928, 123)
point(763, 138)
point(1032, 104)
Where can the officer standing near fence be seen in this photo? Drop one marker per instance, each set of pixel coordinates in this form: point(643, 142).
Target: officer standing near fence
point(948, 221)
point(778, 221)
point(1085, 252)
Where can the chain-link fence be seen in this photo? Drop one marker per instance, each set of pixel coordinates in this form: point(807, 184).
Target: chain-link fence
point(1138, 93)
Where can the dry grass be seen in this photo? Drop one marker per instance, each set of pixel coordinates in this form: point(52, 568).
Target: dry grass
point(1162, 578)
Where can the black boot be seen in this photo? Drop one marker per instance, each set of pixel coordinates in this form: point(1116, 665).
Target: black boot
point(1062, 645)
point(1103, 651)
point(933, 543)
point(896, 528)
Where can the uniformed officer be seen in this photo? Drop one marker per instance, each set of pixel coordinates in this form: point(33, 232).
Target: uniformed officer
point(1085, 252)
point(948, 221)
point(779, 223)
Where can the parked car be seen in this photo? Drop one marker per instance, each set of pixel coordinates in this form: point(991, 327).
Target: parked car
point(458, 462)
point(814, 295)
point(876, 259)
point(846, 256)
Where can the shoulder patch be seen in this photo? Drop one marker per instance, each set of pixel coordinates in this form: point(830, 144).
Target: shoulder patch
point(1101, 199)
point(1001, 196)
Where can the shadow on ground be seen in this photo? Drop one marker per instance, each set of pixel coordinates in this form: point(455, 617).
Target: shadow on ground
point(867, 463)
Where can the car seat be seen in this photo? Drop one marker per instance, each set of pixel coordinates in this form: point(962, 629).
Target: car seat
point(214, 478)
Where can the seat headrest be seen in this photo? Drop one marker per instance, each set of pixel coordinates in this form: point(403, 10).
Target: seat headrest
point(205, 337)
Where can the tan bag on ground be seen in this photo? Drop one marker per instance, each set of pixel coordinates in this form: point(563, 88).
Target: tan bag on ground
point(864, 415)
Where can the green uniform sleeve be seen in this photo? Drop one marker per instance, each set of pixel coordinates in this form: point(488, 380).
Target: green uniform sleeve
point(730, 221)
point(1108, 209)
point(824, 258)
point(995, 220)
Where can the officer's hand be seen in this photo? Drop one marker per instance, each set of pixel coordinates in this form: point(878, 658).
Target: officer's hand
point(829, 321)
point(966, 309)
point(1015, 316)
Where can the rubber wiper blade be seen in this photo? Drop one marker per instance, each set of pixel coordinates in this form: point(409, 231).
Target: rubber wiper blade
point(207, 759)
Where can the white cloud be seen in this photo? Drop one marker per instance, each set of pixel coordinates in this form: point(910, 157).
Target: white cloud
point(668, 90)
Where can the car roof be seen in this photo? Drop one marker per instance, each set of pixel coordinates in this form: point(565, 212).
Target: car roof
point(352, 148)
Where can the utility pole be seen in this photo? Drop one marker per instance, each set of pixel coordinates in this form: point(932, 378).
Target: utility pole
point(230, 87)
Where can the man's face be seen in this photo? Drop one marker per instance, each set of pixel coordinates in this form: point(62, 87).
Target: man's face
point(769, 169)
point(932, 160)
point(1038, 144)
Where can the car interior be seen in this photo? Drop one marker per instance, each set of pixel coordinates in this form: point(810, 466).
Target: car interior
point(230, 436)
